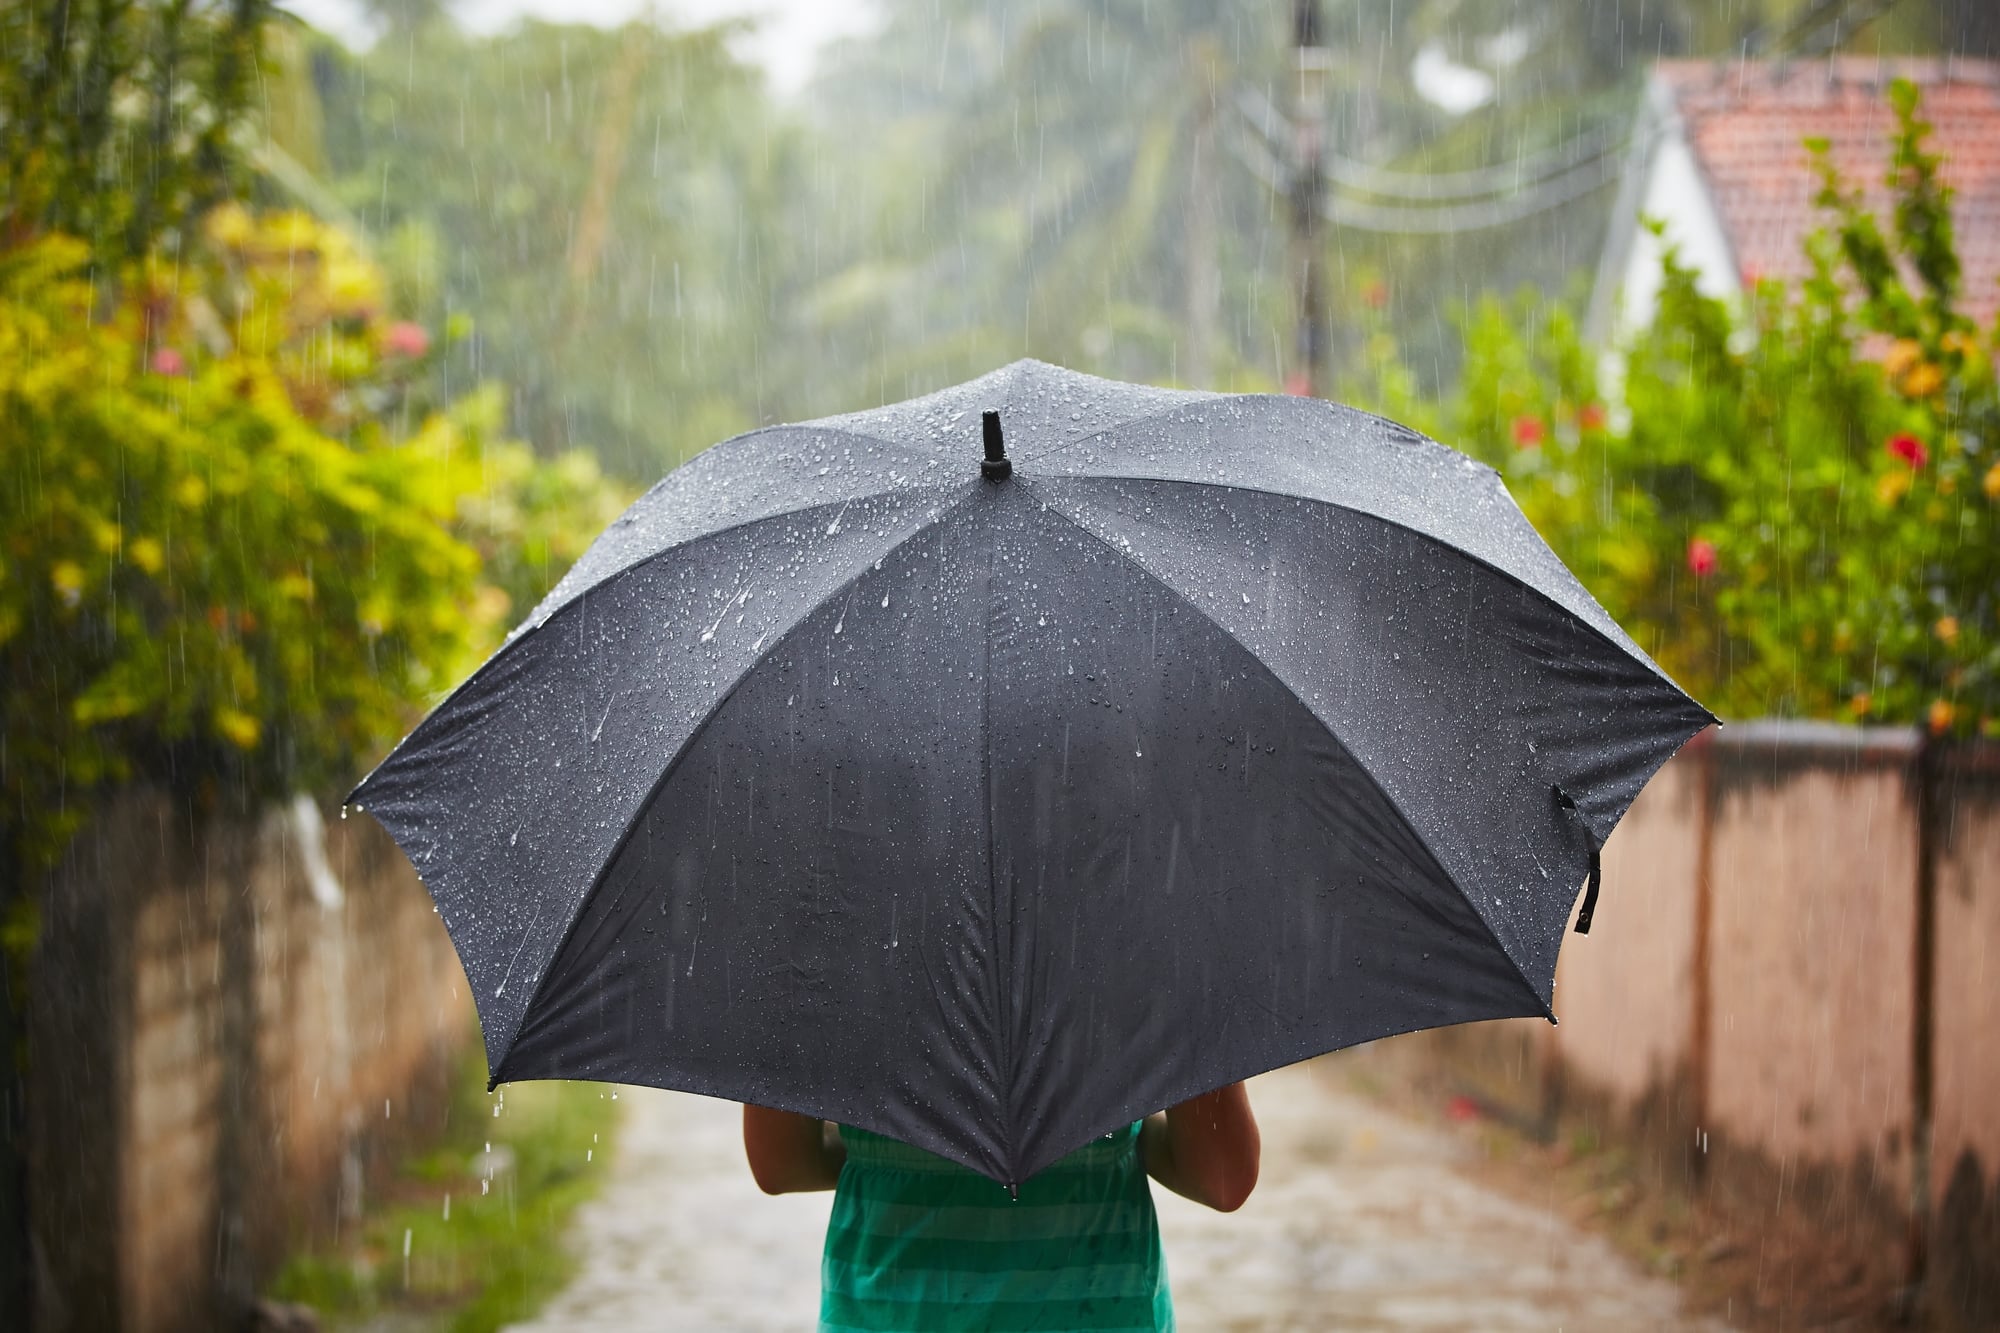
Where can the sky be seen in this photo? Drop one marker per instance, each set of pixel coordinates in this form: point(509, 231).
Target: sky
point(788, 38)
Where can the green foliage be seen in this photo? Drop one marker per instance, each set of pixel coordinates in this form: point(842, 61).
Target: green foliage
point(484, 1230)
point(119, 119)
point(660, 254)
point(611, 206)
point(1798, 512)
point(242, 528)
point(224, 566)
point(1062, 191)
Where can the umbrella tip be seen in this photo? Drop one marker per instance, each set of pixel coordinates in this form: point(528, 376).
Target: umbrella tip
point(996, 467)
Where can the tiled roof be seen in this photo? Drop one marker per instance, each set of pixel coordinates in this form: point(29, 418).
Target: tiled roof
point(1747, 121)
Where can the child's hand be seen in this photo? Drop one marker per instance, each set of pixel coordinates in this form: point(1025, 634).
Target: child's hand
point(1206, 1149)
point(790, 1153)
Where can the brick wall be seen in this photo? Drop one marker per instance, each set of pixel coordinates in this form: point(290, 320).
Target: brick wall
point(233, 1025)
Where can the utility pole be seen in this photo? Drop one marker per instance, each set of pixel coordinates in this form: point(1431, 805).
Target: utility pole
point(1312, 67)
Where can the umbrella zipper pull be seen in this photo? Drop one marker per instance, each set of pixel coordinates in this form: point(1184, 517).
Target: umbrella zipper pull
point(996, 467)
point(1013, 1190)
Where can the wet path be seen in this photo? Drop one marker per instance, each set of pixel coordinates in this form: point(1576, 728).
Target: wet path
point(1360, 1223)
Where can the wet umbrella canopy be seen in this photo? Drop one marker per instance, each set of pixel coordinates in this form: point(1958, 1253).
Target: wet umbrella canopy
point(990, 781)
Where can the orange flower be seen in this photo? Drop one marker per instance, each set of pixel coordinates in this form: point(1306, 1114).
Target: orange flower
point(1922, 380)
point(1861, 703)
point(1591, 416)
point(1991, 485)
point(1940, 716)
point(1947, 628)
point(1905, 354)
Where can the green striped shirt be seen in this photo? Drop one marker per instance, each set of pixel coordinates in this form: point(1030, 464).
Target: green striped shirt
point(919, 1243)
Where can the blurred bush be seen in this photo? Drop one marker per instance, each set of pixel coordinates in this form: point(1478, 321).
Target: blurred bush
point(240, 541)
point(1792, 501)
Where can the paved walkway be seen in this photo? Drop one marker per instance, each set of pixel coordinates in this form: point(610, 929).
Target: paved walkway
point(1360, 1224)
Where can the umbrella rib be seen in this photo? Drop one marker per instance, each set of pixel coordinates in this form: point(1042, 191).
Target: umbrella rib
point(686, 747)
point(1389, 800)
point(1003, 969)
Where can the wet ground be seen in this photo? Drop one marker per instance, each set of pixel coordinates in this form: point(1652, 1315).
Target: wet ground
point(1362, 1222)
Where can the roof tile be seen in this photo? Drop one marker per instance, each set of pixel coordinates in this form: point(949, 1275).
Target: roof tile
point(1747, 122)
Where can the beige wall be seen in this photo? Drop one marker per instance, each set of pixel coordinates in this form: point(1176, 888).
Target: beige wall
point(1812, 944)
point(1965, 1135)
point(258, 1043)
point(1623, 992)
point(1758, 967)
point(1968, 985)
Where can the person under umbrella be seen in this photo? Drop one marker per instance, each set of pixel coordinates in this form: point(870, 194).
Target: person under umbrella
point(988, 804)
point(919, 1243)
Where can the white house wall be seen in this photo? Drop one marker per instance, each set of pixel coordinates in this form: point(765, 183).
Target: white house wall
point(1677, 196)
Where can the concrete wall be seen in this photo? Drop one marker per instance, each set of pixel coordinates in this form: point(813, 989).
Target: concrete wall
point(232, 1023)
point(1812, 944)
point(1965, 1021)
point(1795, 974)
point(1624, 992)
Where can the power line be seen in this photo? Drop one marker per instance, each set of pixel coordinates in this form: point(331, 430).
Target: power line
point(1551, 191)
point(1584, 150)
point(1477, 183)
point(1480, 215)
point(1816, 28)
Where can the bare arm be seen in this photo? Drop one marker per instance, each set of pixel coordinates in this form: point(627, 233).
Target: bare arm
point(790, 1153)
point(1206, 1149)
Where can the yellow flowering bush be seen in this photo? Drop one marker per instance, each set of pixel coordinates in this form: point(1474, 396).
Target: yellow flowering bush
point(234, 550)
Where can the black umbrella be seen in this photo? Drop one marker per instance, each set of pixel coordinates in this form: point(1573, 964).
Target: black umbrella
point(990, 799)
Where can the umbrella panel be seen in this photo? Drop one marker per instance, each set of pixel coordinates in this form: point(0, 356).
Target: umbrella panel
point(1154, 873)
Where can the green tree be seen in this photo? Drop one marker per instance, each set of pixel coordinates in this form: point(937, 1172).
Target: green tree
point(1057, 184)
point(118, 119)
point(607, 206)
point(239, 533)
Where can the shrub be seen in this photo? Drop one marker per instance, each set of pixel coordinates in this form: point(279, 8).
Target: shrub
point(225, 567)
point(1795, 504)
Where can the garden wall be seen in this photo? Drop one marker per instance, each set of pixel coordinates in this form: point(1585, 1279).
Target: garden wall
point(231, 1024)
point(1792, 989)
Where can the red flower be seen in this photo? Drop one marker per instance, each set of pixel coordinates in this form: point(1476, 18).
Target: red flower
point(1375, 294)
point(1702, 558)
point(1296, 385)
point(167, 361)
point(1528, 432)
point(1909, 448)
point(1591, 416)
point(1462, 1108)
point(407, 339)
